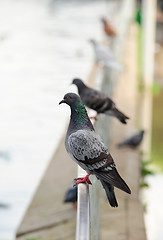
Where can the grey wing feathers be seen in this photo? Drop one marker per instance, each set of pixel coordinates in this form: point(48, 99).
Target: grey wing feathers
point(113, 177)
point(88, 149)
point(132, 141)
point(109, 174)
point(137, 139)
point(84, 144)
point(97, 100)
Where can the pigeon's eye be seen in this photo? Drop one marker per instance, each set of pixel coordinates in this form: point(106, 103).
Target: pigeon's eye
point(68, 98)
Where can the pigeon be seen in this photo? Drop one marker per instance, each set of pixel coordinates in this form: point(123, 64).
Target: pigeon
point(86, 148)
point(71, 195)
point(105, 56)
point(98, 101)
point(133, 141)
point(4, 205)
point(108, 29)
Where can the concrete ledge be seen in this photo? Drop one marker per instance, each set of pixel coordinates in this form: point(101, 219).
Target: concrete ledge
point(47, 213)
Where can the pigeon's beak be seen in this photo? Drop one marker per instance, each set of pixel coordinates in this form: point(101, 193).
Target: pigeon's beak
point(63, 101)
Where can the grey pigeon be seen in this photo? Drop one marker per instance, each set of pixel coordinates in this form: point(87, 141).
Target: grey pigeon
point(105, 56)
point(98, 101)
point(71, 194)
point(4, 205)
point(87, 149)
point(133, 141)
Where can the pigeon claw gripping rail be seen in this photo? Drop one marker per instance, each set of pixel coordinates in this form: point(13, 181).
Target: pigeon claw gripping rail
point(83, 180)
point(94, 118)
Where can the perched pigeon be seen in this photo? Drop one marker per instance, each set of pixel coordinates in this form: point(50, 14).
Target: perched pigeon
point(108, 29)
point(4, 205)
point(98, 101)
point(133, 141)
point(105, 56)
point(71, 195)
point(86, 148)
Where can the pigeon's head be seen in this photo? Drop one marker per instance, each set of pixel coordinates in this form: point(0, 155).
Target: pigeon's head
point(79, 83)
point(103, 20)
point(142, 132)
point(70, 99)
point(92, 41)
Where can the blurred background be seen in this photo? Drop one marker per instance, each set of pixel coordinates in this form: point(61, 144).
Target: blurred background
point(44, 44)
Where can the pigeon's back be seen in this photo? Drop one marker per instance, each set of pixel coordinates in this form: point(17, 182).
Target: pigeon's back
point(103, 53)
point(92, 98)
point(133, 141)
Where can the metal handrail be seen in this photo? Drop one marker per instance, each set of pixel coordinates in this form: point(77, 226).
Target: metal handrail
point(83, 212)
point(88, 223)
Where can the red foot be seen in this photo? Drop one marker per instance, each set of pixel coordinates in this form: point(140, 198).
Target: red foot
point(83, 180)
point(74, 205)
point(95, 118)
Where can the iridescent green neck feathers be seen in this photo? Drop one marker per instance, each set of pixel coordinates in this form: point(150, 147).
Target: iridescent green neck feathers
point(79, 117)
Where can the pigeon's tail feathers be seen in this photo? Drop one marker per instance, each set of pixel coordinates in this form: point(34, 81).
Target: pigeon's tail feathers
point(109, 189)
point(121, 117)
point(112, 177)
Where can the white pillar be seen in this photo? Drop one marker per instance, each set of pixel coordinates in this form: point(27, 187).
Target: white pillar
point(148, 20)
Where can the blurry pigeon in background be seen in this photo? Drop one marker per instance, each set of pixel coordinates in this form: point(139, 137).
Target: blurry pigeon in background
point(86, 148)
point(105, 56)
point(71, 195)
point(4, 205)
point(108, 29)
point(4, 155)
point(98, 101)
point(133, 141)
